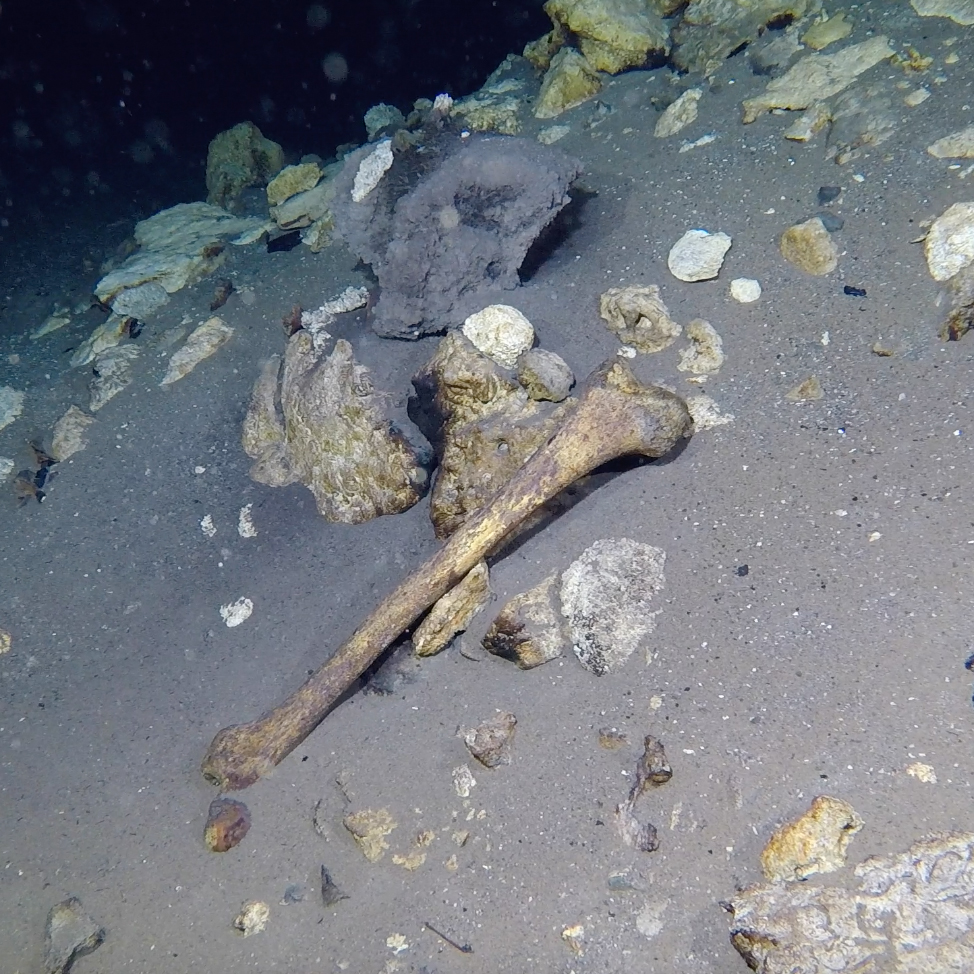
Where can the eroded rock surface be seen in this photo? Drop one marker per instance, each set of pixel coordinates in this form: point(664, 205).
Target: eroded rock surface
point(322, 424)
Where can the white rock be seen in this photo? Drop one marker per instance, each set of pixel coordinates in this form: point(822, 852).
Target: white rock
point(112, 373)
point(371, 170)
point(6, 467)
point(236, 612)
point(745, 289)
point(698, 255)
point(208, 527)
point(500, 332)
point(678, 115)
point(949, 245)
point(706, 413)
point(705, 356)
point(245, 522)
point(11, 405)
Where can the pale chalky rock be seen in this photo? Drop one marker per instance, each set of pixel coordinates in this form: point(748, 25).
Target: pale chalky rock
point(201, 344)
point(949, 246)
point(705, 355)
point(371, 170)
point(544, 375)
point(69, 433)
point(698, 255)
point(678, 115)
point(530, 629)
point(745, 290)
point(501, 332)
point(606, 596)
point(11, 405)
point(292, 180)
point(959, 11)
point(569, 82)
point(957, 145)
point(810, 247)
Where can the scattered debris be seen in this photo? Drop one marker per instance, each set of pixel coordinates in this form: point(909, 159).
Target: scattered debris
point(227, 822)
point(490, 742)
point(501, 332)
point(234, 613)
point(808, 390)
point(698, 255)
point(911, 911)
point(611, 739)
point(922, 772)
point(330, 893)
point(245, 523)
point(463, 781)
point(369, 828)
point(201, 344)
point(574, 936)
point(652, 769)
point(252, 918)
point(68, 934)
point(207, 526)
point(605, 595)
point(639, 317)
point(706, 413)
point(815, 842)
point(463, 948)
point(69, 433)
point(397, 943)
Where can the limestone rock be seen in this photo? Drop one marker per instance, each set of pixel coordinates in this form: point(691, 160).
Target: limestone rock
point(69, 933)
point(745, 289)
point(69, 433)
point(450, 224)
point(501, 332)
point(179, 246)
point(678, 115)
point(808, 390)
point(816, 842)
point(810, 247)
point(960, 318)
point(639, 317)
point(56, 320)
point(949, 246)
point(605, 596)
point(252, 918)
point(105, 336)
point(490, 742)
point(292, 180)
point(451, 614)
point(11, 405)
point(705, 355)
point(371, 169)
point(710, 30)
point(613, 34)
point(331, 434)
point(910, 913)
point(382, 119)
point(238, 158)
point(530, 629)
point(306, 208)
point(698, 255)
point(544, 375)
point(818, 76)
point(569, 81)
point(541, 51)
point(957, 145)
point(368, 828)
point(486, 111)
point(809, 123)
point(112, 373)
point(959, 11)
point(828, 31)
point(201, 344)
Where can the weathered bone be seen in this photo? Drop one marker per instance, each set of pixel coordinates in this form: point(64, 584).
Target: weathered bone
point(616, 415)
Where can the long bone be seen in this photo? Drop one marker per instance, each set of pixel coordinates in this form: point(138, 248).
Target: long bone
point(616, 415)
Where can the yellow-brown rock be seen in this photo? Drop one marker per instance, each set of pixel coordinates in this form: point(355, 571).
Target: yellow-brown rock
point(541, 51)
point(530, 629)
point(810, 247)
point(238, 158)
point(613, 34)
point(569, 81)
point(816, 842)
point(292, 180)
point(452, 613)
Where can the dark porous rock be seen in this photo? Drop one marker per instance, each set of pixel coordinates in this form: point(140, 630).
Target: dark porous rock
point(227, 823)
point(450, 220)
